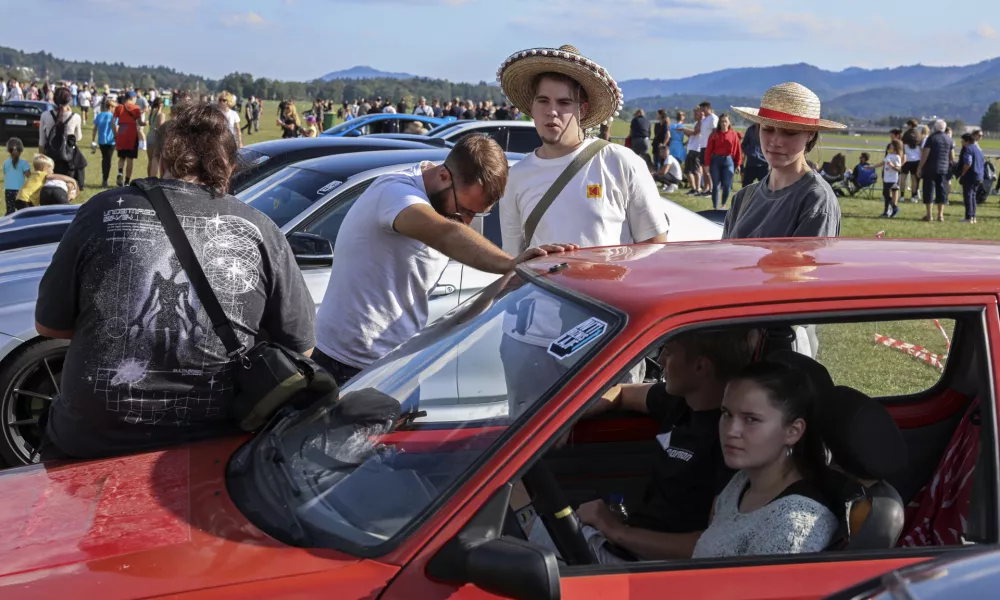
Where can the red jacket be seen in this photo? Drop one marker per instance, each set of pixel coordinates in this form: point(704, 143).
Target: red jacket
point(724, 144)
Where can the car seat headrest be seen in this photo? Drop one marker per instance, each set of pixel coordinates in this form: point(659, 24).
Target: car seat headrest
point(861, 435)
point(816, 372)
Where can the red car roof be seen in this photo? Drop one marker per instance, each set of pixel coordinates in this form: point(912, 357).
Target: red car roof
point(644, 280)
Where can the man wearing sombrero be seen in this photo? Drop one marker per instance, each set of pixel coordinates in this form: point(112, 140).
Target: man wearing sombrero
point(792, 200)
point(608, 196)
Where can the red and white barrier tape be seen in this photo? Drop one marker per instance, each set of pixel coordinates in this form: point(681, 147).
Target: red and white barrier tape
point(918, 352)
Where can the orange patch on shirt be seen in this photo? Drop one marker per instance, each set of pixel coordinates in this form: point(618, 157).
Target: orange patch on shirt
point(594, 190)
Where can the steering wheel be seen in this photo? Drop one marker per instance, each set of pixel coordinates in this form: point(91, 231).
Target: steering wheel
point(558, 516)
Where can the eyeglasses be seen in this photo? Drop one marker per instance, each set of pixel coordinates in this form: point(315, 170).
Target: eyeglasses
point(463, 213)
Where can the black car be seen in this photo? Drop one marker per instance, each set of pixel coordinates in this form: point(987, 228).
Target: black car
point(21, 119)
point(257, 161)
point(283, 195)
point(35, 226)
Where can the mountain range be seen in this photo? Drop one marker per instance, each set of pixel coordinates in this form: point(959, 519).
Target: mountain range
point(953, 92)
point(364, 72)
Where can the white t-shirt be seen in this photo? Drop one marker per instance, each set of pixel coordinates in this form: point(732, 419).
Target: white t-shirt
point(425, 111)
point(673, 168)
point(85, 99)
point(890, 175)
point(912, 153)
point(612, 200)
point(73, 126)
point(708, 125)
point(380, 280)
point(73, 89)
point(233, 118)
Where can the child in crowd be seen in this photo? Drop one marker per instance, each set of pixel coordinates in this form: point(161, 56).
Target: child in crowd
point(14, 170)
point(310, 130)
point(891, 168)
point(31, 192)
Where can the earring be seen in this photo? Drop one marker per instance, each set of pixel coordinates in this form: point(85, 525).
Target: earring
point(789, 450)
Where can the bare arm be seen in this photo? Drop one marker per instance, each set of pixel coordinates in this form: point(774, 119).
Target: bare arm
point(630, 396)
point(656, 239)
point(645, 544)
point(923, 159)
point(459, 242)
point(58, 334)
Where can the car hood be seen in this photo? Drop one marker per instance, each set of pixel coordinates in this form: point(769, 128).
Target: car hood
point(143, 525)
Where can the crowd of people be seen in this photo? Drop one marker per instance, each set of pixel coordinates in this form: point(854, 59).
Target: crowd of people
point(484, 110)
point(712, 153)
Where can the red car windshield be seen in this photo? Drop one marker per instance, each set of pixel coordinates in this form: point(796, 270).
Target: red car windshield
point(407, 431)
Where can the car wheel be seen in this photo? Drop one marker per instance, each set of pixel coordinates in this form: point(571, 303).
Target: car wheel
point(28, 383)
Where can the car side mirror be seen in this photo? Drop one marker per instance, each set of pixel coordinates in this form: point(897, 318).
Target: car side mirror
point(310, 249)
point(507, 567)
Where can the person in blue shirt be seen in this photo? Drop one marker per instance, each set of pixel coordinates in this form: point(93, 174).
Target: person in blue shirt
point(14, 170)
point(104, 137)
point(973, 166)
point(756, 164)
point(676, 146)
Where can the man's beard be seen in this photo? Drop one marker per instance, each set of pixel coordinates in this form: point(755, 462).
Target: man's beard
point(439, 200)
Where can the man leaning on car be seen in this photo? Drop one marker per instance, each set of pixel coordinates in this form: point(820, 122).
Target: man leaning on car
point(394, 245)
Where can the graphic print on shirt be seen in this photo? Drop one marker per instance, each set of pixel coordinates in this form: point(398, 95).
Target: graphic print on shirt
point(161, 320)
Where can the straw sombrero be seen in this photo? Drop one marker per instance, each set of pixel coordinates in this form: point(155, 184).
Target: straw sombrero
point(789, 106)
point(516, 74)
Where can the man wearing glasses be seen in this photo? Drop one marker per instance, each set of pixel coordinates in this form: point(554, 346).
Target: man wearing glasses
point(394, 245)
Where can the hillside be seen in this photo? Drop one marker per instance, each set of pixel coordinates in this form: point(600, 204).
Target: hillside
point(363, 72)
point(753, 81)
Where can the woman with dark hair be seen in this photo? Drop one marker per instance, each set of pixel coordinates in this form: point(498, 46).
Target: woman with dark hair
point(145, 368)
point(773, 504)
point(793, 200)
point(661, 136)
point(723, 157)
point(63, 152)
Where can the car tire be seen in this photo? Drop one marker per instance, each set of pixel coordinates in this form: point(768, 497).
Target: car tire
point(28, 382)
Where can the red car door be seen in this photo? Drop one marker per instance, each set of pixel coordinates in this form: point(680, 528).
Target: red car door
point(809, 577)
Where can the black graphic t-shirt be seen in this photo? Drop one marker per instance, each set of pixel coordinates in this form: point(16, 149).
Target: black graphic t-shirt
point(144, 367)
point(689, 469)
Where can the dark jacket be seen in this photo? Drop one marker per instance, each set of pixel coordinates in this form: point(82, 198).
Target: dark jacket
point(939, 146)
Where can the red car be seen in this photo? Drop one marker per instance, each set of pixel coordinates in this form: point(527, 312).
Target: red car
point(399, 491)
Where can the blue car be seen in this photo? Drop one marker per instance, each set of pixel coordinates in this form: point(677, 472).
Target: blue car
point(385, 123)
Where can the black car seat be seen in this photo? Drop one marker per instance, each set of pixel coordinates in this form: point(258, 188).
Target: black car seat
point(866, 448)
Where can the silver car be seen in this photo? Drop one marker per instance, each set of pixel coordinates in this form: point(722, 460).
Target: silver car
point(31, 365)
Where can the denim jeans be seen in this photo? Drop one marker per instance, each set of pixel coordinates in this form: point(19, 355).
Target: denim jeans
point(722, 170)
point(969, 198)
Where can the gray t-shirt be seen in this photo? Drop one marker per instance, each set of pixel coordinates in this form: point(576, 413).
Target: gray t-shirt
point(807, 208)
point(145, 367)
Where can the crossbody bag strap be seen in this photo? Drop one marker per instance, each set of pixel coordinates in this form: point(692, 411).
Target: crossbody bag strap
point(557, 186)
point(189, 262)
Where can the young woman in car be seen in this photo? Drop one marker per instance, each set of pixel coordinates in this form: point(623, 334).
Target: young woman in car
point(769, 435)
point(792, 200)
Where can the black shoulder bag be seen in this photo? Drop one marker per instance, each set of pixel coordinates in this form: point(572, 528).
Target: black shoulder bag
point(268, 375)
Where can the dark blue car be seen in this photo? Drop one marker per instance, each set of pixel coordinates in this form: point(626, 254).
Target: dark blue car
point(384, 123)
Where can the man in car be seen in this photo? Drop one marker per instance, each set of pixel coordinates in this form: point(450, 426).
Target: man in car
point(394, 245)
point(689, 470)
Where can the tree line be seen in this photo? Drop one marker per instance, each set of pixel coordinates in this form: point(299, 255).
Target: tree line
point(43, 66)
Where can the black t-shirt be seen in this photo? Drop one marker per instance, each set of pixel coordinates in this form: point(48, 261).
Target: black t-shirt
point(469, 115)
point(502, 114)
point(690, 470)
point(145, 367)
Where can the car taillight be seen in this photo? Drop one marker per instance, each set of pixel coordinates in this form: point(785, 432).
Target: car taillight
point(36, 124)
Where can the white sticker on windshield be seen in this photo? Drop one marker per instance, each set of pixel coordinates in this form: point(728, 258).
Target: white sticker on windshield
point(328, 187)
point(577, 338)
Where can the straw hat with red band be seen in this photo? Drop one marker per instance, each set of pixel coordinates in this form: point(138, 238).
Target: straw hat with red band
point(518, 72)
point(789, 106)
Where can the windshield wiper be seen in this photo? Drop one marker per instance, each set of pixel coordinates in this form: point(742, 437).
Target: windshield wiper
point(279, 459)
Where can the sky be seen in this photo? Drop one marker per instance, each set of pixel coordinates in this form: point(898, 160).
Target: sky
point(466, 40)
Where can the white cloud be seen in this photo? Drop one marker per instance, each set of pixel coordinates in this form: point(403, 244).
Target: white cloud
point(986, 32)
point(249, 19)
